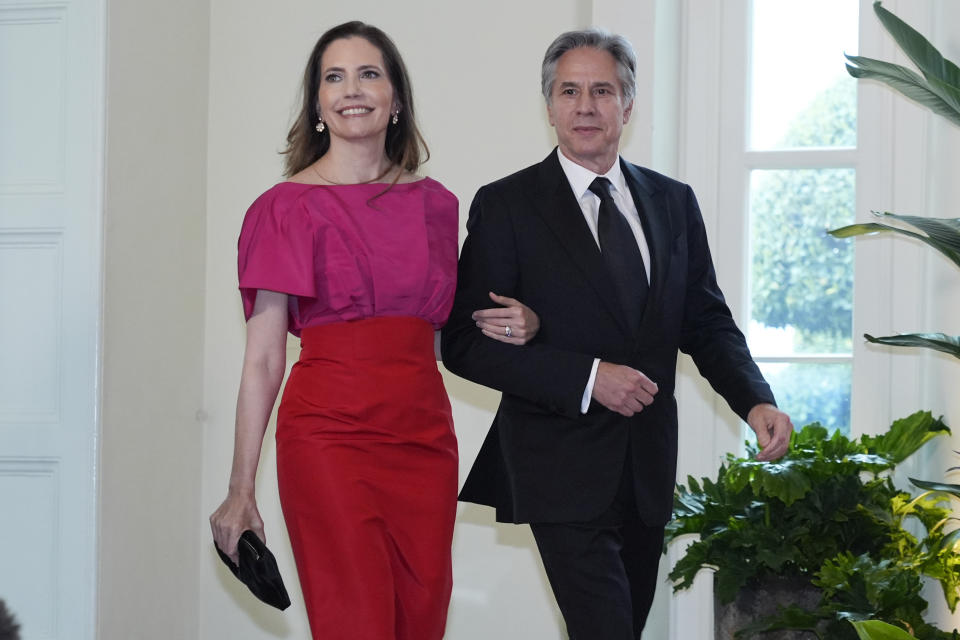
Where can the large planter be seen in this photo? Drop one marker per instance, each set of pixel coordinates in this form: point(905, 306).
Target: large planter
point(761, 599)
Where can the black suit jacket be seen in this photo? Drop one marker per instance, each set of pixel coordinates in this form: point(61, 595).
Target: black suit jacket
point(543, 461)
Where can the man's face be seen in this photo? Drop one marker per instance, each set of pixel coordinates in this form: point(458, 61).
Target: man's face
point(587, 108)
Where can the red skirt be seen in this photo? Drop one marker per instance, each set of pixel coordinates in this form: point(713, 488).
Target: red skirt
point(367, 468)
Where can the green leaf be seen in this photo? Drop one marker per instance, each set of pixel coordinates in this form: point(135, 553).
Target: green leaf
point(872, 462)
point(952, 489)
point(906, 435)
point(785, 480)
point(918, 48)
point(948, 542)
point(878, 630)
point(940, 98)
point(936, 341)
point(943, 234)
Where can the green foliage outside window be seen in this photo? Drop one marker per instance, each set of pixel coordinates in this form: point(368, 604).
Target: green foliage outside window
point(802, 278)
point(813, 393)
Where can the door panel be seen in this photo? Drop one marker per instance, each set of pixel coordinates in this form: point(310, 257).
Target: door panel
point(51, 130)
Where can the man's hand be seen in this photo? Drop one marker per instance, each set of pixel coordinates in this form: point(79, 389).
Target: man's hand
point(513, 323)
point(622, 389)
point(773, 429)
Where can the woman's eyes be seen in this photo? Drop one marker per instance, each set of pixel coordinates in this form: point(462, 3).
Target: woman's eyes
point(366, 74)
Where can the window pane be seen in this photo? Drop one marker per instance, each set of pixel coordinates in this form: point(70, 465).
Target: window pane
point(812, 393)
point(801, 94)
point(801, 279)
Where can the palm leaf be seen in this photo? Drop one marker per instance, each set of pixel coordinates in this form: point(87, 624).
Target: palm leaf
point(936, 341)
point(942, 98)
point(952, 489)
point(943, 234)
point(918, 48)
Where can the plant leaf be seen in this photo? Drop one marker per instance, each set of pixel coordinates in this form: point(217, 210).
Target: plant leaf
point(910, 84)
point(948, 542)
point(918, 48)
point(878, 630)
point(943, 234)
point(906, 435)
point(936, 341)
point(952, 489)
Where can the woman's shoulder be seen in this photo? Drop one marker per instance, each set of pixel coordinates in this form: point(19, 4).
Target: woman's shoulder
point(280, 196)
point(280, 207)
point(436, 188)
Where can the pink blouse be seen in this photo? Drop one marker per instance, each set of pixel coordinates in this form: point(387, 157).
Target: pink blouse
point(341, 255)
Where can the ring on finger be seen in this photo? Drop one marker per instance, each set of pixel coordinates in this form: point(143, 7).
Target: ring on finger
point(507, 331)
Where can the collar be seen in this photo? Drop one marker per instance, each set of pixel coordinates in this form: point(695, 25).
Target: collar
point(580, 177)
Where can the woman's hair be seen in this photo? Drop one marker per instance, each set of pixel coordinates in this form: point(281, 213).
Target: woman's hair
point(405, 146)
point(617, 46)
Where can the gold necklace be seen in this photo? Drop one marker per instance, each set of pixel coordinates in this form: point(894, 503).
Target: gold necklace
point(334, 182)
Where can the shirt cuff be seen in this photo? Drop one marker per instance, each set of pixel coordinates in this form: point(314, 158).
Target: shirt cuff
point(588, 392)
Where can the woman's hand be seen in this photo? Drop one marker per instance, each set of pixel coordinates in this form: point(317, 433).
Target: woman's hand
point(513, 323)
point(237, 514)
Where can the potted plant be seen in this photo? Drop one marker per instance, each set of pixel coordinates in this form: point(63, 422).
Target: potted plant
point(937, 86)
point(827, 521)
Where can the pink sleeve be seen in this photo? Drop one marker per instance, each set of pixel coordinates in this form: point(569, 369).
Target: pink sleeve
point(275, 250)
point(442, 228)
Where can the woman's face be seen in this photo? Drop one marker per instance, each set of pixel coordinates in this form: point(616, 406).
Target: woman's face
point(356, 97)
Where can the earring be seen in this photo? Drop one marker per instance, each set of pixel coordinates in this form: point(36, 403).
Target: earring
point(395, 118)
point(320, 126)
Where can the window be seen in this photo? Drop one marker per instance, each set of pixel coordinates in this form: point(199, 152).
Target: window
point(799, 152)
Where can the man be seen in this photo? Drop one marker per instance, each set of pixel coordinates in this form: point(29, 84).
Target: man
point(583, 446)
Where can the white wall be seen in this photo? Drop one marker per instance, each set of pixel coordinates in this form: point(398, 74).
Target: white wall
point(150, 449)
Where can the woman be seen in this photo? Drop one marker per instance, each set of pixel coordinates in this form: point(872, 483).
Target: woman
point(356, 254)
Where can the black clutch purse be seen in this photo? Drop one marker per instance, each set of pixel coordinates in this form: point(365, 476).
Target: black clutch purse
point(258, 570)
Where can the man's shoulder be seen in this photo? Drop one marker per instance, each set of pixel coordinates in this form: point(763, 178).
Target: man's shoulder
point(654, 179)
point(516, 180)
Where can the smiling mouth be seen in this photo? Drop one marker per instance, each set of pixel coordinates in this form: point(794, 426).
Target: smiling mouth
point(355, 111)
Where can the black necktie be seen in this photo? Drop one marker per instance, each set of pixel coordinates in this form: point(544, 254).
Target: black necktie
point(621, 253)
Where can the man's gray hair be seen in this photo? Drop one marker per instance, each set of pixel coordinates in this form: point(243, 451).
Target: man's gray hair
point(616, 45)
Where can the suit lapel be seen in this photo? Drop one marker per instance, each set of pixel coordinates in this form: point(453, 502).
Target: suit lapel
point(655, 219)
point(555, 203)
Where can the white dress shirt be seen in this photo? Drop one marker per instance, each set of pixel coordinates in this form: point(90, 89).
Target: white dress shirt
point(580, 179)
